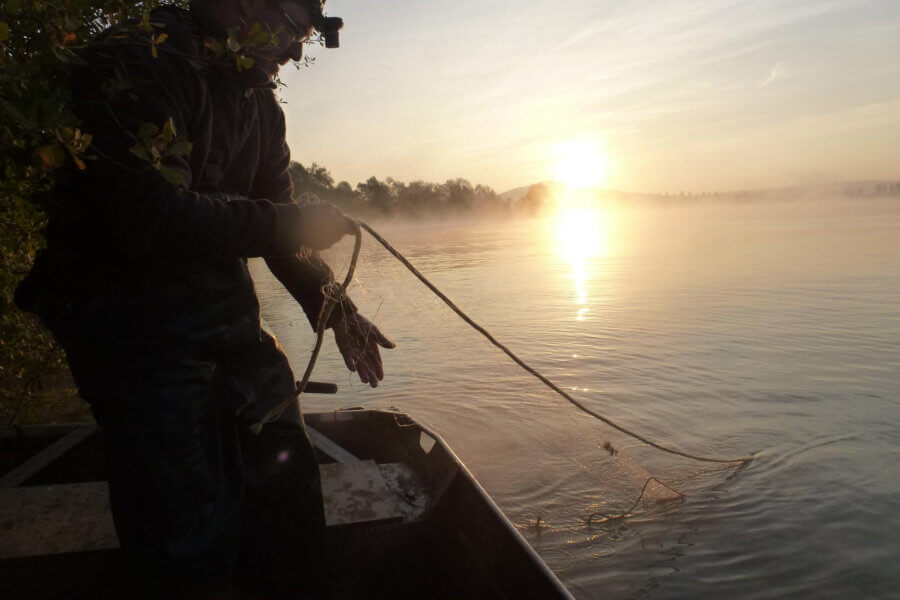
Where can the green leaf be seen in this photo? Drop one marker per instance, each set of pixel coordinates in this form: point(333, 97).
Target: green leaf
point(140, 152)
point(243, 62)
point(168, 130)
point(181, 148)
point(171, 175)
point(13, 6)
point(67, 134)
point(51, 156)
point(4, 31)
point(147, 130)
point(213, 45)
point(256, 36)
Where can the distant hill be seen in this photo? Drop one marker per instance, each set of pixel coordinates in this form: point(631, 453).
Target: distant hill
point(516, 193)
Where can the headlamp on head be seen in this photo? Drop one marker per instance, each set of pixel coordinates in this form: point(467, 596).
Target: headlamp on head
point(328, 27)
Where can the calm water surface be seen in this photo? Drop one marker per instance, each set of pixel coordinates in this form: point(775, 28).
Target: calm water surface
point(724, 330)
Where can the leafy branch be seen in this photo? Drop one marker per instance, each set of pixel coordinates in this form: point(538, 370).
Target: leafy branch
point(240, 46)
point(155, 143)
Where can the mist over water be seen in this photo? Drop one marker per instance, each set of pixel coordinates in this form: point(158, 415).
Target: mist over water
point(717, 329)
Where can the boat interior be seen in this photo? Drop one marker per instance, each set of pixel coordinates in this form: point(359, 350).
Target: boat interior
point(404, 517)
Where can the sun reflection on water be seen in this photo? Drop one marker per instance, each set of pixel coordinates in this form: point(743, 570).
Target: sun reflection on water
point(582, 237)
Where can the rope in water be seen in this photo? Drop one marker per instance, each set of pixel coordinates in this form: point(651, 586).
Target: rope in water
point(487, 335)
point(332, 300)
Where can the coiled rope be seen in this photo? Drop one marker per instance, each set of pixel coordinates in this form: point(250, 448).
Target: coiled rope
point(332, 298)
point(336, 295)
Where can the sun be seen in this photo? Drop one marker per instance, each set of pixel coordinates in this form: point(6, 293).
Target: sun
point(580, 164)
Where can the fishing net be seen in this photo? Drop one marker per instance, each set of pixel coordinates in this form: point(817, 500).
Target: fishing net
point(572, 484)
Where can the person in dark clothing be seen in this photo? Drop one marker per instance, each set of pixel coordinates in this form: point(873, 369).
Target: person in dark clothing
point(145, 284)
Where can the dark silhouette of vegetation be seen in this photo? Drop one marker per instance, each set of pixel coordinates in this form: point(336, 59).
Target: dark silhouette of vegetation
point(536, 199)
point(418, 199)
point(41, 41)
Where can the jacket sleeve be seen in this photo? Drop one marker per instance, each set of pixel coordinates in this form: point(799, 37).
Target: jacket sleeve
point(303, 274)
point(149, 216)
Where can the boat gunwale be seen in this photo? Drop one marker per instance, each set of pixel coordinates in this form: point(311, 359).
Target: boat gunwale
point(464, 471)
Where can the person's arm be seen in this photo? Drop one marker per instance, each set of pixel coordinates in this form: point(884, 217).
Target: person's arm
point(303, 274)
point(306, 275)
point(149, 216)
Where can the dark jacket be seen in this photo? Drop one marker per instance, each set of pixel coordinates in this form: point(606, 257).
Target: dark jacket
point(158, 264)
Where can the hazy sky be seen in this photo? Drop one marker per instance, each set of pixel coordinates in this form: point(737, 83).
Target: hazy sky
point(693, 95)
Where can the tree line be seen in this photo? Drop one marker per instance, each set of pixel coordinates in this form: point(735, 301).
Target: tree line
point(391, 197)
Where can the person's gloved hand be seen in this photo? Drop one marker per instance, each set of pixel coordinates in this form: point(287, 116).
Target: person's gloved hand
point(323, 224)
point(358, 340)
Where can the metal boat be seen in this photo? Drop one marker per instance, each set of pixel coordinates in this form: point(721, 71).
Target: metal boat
point(405, 518)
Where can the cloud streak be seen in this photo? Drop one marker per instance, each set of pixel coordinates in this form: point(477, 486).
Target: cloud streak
point(779, 71)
